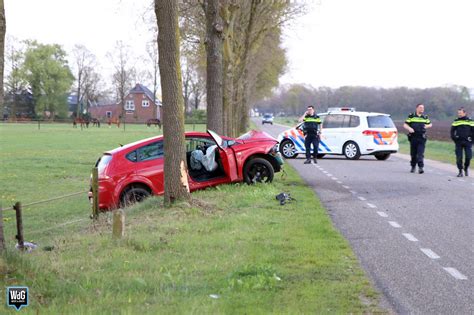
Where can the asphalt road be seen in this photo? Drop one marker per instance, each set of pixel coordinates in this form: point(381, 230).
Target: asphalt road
point(413, 234)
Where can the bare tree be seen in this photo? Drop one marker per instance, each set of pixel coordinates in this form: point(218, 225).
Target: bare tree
point(152, 50)
point(124, 73)
point(214, 46)
point(86, 78)
point(3, 30)
point(176, 180)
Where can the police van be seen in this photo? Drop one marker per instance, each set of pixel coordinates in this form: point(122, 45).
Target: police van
point(345, 131)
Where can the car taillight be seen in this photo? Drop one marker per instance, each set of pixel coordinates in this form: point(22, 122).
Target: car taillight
point(369, 132)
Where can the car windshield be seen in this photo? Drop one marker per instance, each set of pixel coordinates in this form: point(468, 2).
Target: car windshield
point(216, 138)
point(267, 116)
point(380, 121)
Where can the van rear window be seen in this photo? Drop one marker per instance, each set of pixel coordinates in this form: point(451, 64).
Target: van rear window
point(380, 121)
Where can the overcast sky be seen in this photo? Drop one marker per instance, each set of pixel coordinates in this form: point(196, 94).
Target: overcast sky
point(386, 43)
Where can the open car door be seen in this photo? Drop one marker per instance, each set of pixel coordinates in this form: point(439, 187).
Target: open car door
point(227, 156)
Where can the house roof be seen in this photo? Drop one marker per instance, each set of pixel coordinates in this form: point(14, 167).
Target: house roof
point(140, 88)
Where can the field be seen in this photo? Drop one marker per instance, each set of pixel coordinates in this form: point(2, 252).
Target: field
point(232, 249)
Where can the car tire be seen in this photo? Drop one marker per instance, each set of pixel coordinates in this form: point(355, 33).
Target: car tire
point(351, 150)
point(320, 156)
point(382, 156)
point(287, 149)
point(133, 195)
point(258, 170)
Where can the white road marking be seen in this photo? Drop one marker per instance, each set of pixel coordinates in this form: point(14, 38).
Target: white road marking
point(353, 192)
point(394, 224)
point(382, 214)
point(339, 182)
point(335, 178)
point(329, 174)
point(431, 254)
point(410, 237)
point(461, 180)
point(325, 172)
point(371, 205)
point(346, 187)
point(361, 198)
point(455, 273)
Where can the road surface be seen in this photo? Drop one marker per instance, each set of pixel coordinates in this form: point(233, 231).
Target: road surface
point(413, 234)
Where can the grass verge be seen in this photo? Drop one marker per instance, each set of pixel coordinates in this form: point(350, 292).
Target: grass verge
point(233, 249)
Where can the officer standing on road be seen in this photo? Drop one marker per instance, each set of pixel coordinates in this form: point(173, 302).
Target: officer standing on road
point(416, 125)
point(311, 131)
point(462, 133)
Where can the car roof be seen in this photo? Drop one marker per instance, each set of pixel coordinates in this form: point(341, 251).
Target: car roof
point(157, 138)
point(354, 113)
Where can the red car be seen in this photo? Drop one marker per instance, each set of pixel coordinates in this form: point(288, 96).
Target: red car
point(131, 173)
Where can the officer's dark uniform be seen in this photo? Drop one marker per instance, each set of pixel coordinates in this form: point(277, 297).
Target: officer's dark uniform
point(462, 133)
point(311, 127)
point(417, 139)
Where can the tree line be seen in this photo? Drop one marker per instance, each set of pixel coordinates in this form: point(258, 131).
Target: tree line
point(441, 102)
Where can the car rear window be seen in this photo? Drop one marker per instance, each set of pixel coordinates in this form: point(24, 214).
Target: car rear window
point(103, 162)
point(380, 121)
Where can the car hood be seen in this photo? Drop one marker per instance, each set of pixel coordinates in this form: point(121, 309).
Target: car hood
point(256, 135)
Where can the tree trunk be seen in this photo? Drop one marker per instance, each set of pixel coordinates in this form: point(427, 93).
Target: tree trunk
point(3, 29)
point(214, 28)
point(175, 169)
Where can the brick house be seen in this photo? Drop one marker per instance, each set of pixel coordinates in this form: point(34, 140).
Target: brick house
point(138, 107)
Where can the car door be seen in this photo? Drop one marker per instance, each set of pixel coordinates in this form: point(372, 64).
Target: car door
point(331, 134)
point(149, 164)
point(227, 157)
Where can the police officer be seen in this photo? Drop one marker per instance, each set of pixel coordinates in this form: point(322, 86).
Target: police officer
point(416, 125)
point(462, 133)
point(311, 123)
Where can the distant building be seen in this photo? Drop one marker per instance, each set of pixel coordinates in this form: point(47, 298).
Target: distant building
point(138, 107)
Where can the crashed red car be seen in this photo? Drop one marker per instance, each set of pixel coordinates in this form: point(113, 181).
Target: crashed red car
point(132, 172)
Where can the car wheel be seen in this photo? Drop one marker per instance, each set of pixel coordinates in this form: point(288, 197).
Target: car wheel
point(133, 195)
point(287, 149)
point(351, 150)
point(258, 170)
point(382, 156)
point(320, 156)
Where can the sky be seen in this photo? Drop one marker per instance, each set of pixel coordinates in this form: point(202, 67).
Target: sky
point(382, 43)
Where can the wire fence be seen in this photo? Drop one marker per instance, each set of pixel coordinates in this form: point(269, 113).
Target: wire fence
point(18, 208)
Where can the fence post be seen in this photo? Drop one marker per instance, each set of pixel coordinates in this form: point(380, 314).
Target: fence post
point(19, 225)
point(2, 236)
point(118, 224)
point(39, 125)
point(95, 193)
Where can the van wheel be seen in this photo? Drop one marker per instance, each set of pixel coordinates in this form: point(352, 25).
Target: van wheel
point(133, 195)
point(351, 150)
point(287, 149)
point(382, 156)
point(258, 170)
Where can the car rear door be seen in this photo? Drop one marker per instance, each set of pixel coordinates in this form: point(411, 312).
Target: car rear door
point(149, 164)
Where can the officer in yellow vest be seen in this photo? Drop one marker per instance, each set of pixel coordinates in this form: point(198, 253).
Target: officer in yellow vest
point(416, 125)
point(462, 133)
point(311, 123)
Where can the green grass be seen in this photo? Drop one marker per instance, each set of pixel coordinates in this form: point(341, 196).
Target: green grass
point(234, 242)
point(435, 150)
point(289, 121)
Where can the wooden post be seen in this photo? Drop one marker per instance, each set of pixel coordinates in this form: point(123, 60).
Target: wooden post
point(39, 125)
point(95, 193)
point(19, 225)
point(2, 236)
point(118, 224)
